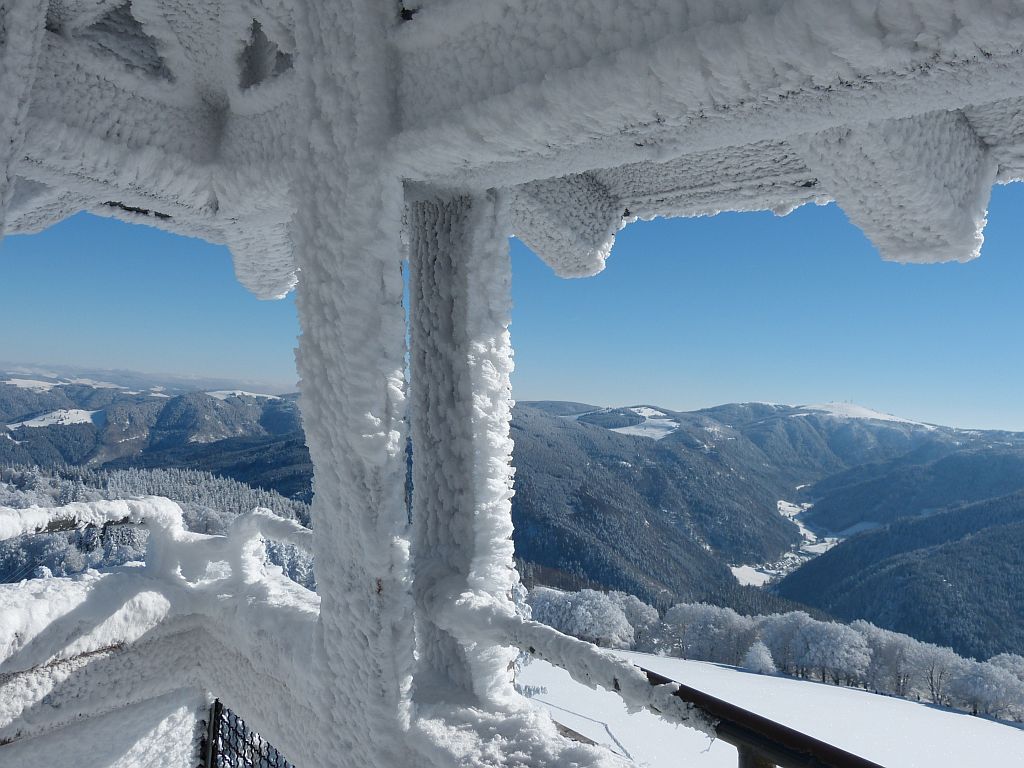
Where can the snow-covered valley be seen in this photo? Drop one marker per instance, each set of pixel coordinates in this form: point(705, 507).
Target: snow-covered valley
point(811, 545)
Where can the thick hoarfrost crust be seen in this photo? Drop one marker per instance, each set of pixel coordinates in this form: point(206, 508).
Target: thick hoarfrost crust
point(191, 117)
point(170, 114)
point(163, 512)
point(306, 137)
point(351, 360)
point(159, 733)
point(918, 187)
point(569, 222)
point(481, 617)
point(461, 361)
point(79, 648)
point(540, 84)
point(21, 34)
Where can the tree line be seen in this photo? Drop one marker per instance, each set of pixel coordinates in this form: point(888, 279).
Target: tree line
point(858, 655)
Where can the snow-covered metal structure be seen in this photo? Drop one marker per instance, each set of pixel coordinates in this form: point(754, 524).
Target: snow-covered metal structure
point(326, 141)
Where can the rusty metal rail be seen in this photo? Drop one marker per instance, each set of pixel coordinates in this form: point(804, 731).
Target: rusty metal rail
point(762, 743)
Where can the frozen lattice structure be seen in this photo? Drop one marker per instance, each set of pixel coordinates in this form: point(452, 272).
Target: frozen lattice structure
point(325, 141)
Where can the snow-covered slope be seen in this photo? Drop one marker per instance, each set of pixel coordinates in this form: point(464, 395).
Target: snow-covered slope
point(853, 411)
point(892, 732)
point(61, 417)
point(224, 394)
point(656, 424)
point(33, 384)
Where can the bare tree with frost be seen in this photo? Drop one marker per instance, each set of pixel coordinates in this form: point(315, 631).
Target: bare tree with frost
point(759, 659)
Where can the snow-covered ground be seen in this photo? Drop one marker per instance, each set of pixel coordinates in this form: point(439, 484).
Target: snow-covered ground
point(61, 417)
point(811, 545)
point(655, 425)
point(33, 384)
point(892, 732)
point(224, 394)
point(750, 575)
point(97, 384)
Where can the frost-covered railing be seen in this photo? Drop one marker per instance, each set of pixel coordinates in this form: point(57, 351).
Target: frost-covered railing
point(187, 562)
point(761, 742)
point(88, 646)
point(172, 550)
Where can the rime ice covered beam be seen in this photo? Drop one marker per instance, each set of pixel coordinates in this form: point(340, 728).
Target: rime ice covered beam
point(461, 359)
point(504, 92)
point(99, 131)
point(569, 222)
point(70, 15)
point(262, 255)
point(917, 187)
point(21, 34)
point(351, 359)
point(103, 131)
point(351, 363)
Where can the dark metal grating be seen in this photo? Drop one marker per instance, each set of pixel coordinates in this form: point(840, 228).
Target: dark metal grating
point(230, 743)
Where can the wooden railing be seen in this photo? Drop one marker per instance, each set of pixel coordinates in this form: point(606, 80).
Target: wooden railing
point(762, 743)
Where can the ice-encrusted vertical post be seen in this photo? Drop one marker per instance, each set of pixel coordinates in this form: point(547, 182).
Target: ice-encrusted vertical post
point(351, 360)
point(21, 36)
point(460, 411)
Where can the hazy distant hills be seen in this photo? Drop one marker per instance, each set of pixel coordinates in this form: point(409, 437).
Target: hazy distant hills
point(647, 500)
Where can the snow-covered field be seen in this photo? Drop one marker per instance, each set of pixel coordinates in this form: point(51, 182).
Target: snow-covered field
point(655, 425)
point(33, 384)
point(750, 575)
point(224, 394)
point(892, 732)
point(61, 417)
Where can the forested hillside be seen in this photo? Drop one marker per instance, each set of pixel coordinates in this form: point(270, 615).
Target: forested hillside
point(955, 578)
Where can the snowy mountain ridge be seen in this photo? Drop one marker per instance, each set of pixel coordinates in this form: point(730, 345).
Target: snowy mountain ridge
point(42, 378)
point(657, 423)
point(853, 411)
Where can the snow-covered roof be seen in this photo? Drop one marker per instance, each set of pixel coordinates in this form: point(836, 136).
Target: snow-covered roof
point(187, 116)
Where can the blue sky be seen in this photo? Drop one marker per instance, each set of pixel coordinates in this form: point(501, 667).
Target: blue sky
point(96, 292)
point(688, 313)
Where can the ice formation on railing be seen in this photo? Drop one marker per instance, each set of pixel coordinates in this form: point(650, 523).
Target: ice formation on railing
point(202, 613)
point(172, 549)
point(479, 618)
